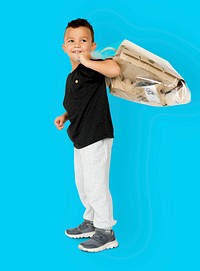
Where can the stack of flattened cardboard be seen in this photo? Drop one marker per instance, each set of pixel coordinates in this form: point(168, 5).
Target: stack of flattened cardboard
point(146, 78)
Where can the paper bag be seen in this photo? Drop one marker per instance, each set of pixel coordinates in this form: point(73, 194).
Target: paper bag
point(146, 78)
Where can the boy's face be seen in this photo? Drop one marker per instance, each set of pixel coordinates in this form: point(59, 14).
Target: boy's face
point(78, 40)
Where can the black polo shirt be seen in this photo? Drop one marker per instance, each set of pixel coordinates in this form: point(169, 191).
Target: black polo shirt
point(87, 104)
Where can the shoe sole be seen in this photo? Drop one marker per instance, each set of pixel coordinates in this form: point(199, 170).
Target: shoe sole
point(83, 235)
point(109, 245)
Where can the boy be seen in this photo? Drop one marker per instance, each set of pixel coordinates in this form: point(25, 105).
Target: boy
point(91, 132)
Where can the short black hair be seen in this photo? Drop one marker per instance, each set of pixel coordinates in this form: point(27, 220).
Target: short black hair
point(81, 22)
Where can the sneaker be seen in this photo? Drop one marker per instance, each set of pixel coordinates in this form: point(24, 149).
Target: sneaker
point(101, 240)
point(84, 230)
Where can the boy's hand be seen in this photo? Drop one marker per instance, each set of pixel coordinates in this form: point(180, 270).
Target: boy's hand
point(84, 57)
point(60, 120)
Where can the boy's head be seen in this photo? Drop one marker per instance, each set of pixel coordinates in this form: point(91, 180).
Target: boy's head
point(81, 22)
point(78, 37)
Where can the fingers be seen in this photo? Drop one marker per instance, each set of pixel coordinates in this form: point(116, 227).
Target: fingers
point(77, 58)
point(59, 124)
point(60, 128)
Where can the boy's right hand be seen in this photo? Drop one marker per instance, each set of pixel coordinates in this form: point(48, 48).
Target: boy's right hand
point(60, 120)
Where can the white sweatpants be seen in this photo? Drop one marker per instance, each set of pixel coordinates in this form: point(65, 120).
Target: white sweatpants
point(92, 166)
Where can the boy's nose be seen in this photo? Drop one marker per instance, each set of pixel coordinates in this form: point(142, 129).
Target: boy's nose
point(77, 45)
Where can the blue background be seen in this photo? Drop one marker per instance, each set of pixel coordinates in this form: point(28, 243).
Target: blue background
point(155, 160)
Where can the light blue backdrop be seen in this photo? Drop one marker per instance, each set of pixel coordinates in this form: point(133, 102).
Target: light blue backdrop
point(155, 161)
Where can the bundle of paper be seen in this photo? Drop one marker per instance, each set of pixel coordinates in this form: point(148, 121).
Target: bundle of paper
point(146, 78)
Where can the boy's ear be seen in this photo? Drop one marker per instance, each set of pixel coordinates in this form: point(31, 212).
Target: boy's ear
point(64, 47)
point(94, 46)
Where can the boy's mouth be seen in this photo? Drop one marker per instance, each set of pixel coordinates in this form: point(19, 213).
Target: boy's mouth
point(76, 51)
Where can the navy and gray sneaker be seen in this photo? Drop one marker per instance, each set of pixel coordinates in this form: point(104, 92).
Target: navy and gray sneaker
point(101, 240)
point(84, 230)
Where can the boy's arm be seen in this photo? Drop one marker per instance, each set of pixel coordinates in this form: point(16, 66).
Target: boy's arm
point(107, 67)
point(60, 120)
point(66, 116)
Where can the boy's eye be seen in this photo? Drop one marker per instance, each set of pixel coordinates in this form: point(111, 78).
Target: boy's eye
point(83, 40)
point(70, 41)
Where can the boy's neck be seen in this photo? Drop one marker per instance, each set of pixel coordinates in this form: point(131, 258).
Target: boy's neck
point(74, 65)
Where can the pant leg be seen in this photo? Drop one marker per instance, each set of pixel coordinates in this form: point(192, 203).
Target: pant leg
point(96, 168)
point(79, 180)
